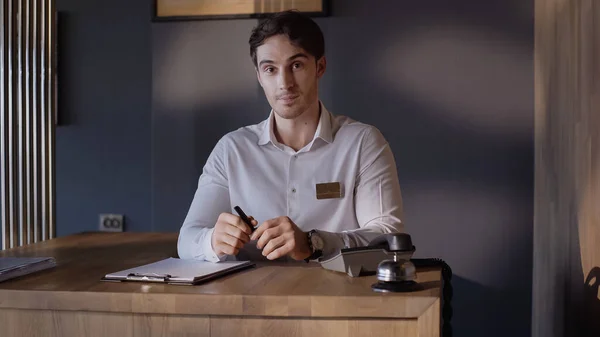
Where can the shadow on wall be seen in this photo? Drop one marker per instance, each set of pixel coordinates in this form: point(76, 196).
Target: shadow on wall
point(582, 303)
point(591, 304)
point(450, 85)
point(454, 78)
point(478, 308)
point(193, 132)
point(199, 95)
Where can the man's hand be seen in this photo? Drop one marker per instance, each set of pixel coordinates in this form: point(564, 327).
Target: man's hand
point(230, 234)
point(279, 237)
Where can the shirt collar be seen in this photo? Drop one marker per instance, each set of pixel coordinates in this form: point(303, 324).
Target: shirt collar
point(324, 130)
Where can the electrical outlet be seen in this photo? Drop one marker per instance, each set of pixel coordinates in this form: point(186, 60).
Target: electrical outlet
point(111, 222)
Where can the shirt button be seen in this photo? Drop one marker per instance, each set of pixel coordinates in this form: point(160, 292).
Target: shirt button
point(295, 156)
point(293, 190)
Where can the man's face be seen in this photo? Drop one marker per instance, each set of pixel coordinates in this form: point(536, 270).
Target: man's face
point(289, 76)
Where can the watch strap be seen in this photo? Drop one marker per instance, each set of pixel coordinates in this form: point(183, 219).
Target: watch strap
point(316, 253)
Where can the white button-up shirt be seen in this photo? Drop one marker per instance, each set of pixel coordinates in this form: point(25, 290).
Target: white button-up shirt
point(251, 169)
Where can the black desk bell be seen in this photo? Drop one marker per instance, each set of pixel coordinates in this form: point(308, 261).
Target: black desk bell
point(397, 274)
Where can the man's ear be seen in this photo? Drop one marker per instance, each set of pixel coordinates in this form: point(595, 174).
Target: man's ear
point(321, 66)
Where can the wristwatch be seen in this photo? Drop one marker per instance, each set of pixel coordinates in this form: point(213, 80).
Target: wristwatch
point(315, 244)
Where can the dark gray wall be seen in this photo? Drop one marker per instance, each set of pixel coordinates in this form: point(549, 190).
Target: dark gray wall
point(103, 140)
point(450, 85)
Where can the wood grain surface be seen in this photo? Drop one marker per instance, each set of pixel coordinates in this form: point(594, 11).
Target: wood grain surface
point(18, 323)
point(269, 289)
point(230, 7)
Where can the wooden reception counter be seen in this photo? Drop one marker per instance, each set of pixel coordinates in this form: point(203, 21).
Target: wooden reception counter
point(271, 299)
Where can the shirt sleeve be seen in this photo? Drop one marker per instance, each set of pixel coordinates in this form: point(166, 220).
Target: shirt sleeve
point(377, 197)
point(210, 200)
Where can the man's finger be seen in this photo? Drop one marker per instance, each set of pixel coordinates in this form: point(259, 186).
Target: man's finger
point(232, 241)
point(267, 236)
point(236, 221)
point(260, 229)
point(227, 249)
point(279, 252)
point(242, 225)
point(273, 244)
point(253, 221)
point(236, 232)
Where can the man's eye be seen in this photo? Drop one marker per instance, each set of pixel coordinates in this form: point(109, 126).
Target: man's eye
point(297, 65)
point(269, 69)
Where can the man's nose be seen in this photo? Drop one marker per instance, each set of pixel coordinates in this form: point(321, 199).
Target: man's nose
point(286, 80)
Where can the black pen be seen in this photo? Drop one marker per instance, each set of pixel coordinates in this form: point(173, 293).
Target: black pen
point(244, 218)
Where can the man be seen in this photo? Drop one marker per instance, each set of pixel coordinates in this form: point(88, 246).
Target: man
point(275, 170)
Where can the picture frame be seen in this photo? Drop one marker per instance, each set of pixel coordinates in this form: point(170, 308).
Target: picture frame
point(183, 10)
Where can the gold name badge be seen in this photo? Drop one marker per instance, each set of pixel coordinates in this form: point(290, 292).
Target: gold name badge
point(329, 190)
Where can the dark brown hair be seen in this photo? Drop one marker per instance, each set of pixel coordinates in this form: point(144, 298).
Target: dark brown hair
point(299, 28)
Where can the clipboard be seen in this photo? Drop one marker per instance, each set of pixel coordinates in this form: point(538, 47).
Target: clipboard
point(178, 271)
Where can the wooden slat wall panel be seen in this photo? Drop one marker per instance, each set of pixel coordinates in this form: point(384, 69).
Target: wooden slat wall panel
point(3, 121)
point(27, 121)
point(567, 168)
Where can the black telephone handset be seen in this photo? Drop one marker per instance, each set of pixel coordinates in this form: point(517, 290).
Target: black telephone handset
point(393, 242)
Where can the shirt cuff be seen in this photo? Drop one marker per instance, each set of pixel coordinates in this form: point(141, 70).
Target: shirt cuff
point(207, 249)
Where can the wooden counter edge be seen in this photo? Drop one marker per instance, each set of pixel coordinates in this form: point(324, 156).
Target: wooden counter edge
point(221, 305)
